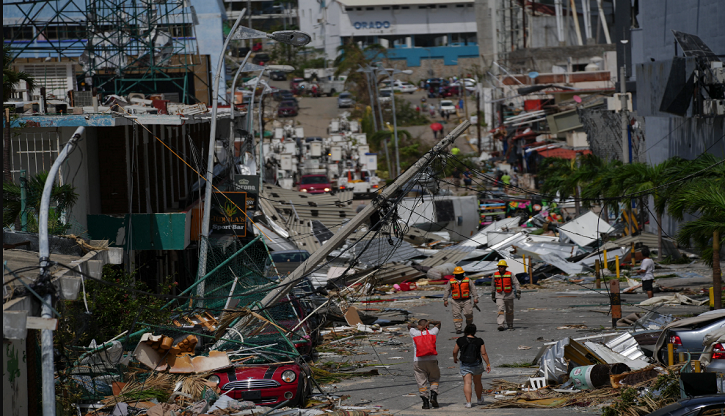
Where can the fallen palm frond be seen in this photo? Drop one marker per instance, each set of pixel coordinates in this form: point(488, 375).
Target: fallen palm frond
point(156, 386)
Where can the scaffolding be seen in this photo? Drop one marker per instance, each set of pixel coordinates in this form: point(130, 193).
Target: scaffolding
point(122, 46)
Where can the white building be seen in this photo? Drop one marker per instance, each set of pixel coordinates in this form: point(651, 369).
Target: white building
point(412, 30)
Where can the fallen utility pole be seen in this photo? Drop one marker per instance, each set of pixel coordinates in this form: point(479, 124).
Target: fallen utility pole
point(286, 285)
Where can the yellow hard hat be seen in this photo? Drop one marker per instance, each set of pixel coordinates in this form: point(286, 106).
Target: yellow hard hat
point(503, 263)
point(458, 270)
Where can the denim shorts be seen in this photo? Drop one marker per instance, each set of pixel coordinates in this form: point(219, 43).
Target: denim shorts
point(474, 369)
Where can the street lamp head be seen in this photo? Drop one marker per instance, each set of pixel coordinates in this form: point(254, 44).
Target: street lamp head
point(291, 37)
point(407, 71)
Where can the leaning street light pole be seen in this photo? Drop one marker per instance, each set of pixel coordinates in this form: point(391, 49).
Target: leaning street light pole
point(290, 37)
point(46, 335)
point(232, 103)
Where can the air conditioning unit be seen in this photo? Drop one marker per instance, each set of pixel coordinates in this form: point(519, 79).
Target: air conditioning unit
point(713, 108)
point(615, 103)
point(716, 75)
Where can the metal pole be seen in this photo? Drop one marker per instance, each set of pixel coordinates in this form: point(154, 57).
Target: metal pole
point(234, 89)
point(372, 106)
point(46, 335)
point(261, 135)
point(285, 286)
point(395, 126)
point(250, 116)
point(623, 114)
point(23, 201)
point(204, 247)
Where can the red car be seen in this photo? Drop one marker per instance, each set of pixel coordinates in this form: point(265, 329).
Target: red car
point(315, 184)
point(266, 384)
point(287, 109)
point(453, 91)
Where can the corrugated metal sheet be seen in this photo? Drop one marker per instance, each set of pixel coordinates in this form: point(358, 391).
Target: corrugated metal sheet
point(272, 239)
point(396, 273)
point(377, 251)
point(481, 237)
point(452, 254)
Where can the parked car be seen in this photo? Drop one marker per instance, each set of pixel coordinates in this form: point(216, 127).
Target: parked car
point(406, 87)
point(345, 100)
point(694, 406)
point(278, 76)
point(315, 184)
point(451, 91)
point(688, 334)
point(285, 262)
point(448, 106)
point(287, 109)
point(385, 96)
point(240, 52)
point(261, 58)
point(281, 95)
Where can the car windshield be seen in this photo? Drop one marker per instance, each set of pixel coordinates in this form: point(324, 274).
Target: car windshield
point(446, 103)
point(290, 257)
point(307, 180)
point(287, 104)
point(385, 93)
point(345, 96)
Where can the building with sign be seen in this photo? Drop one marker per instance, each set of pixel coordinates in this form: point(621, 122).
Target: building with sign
point(426, 34)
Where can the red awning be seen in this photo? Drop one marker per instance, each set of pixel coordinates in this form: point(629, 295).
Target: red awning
point(563, 153)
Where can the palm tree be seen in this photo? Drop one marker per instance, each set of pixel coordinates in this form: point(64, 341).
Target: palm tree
point(637, 178)
point(566, 176)
point(11, 78)
point(703, 196)
point(62, 198)
point(350, 58)
point(599, 185)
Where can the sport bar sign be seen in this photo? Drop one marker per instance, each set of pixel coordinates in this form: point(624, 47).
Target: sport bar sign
point(227, 213)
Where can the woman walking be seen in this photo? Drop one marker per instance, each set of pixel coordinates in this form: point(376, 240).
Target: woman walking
point(473, 353)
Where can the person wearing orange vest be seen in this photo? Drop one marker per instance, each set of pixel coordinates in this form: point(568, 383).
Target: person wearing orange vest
point(463, 292)
point(505, 287)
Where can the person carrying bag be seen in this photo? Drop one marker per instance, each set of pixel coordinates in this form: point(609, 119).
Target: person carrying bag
point(425, 360)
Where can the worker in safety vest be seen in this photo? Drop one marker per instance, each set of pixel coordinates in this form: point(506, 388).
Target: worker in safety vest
point(463, 292)
point(505, 287)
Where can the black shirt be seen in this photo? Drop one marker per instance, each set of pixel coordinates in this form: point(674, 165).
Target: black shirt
point(470, 347)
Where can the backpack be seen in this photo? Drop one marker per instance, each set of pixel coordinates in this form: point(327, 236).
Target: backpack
point(470, 354)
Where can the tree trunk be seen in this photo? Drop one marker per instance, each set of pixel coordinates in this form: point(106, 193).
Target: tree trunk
point(660, 255)
point(716, 271)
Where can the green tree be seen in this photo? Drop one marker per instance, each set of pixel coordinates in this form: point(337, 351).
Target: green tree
point(599, 185)
point(349, 59)
point(12, 78)
point(703, 196)
point(566, 176)
point(636, 178)
point(62, 199)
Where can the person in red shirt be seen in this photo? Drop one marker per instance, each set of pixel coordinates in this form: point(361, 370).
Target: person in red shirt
point(425, 360)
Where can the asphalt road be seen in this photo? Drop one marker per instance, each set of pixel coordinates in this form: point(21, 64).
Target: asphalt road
point(537, 316)
point(315, 115)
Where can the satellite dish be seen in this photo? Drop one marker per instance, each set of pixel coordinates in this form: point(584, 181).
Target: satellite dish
point(578, 99)
point(533, 74)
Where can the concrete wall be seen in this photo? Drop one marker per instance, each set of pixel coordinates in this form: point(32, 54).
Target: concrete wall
point(465, 66)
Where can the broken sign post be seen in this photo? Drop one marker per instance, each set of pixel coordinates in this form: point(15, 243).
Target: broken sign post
point(616, 302)
point(597, 273)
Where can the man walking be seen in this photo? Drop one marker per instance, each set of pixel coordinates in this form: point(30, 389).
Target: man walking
point(425, 360)
point(463, 292)
point(505, 288)
point(647, 268)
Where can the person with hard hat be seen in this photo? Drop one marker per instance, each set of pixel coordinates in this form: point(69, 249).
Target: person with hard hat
point(463, 292)
point(505, 287)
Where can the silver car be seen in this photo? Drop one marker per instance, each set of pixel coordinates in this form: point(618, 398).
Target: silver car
point(345, 100)
point(690, 338)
